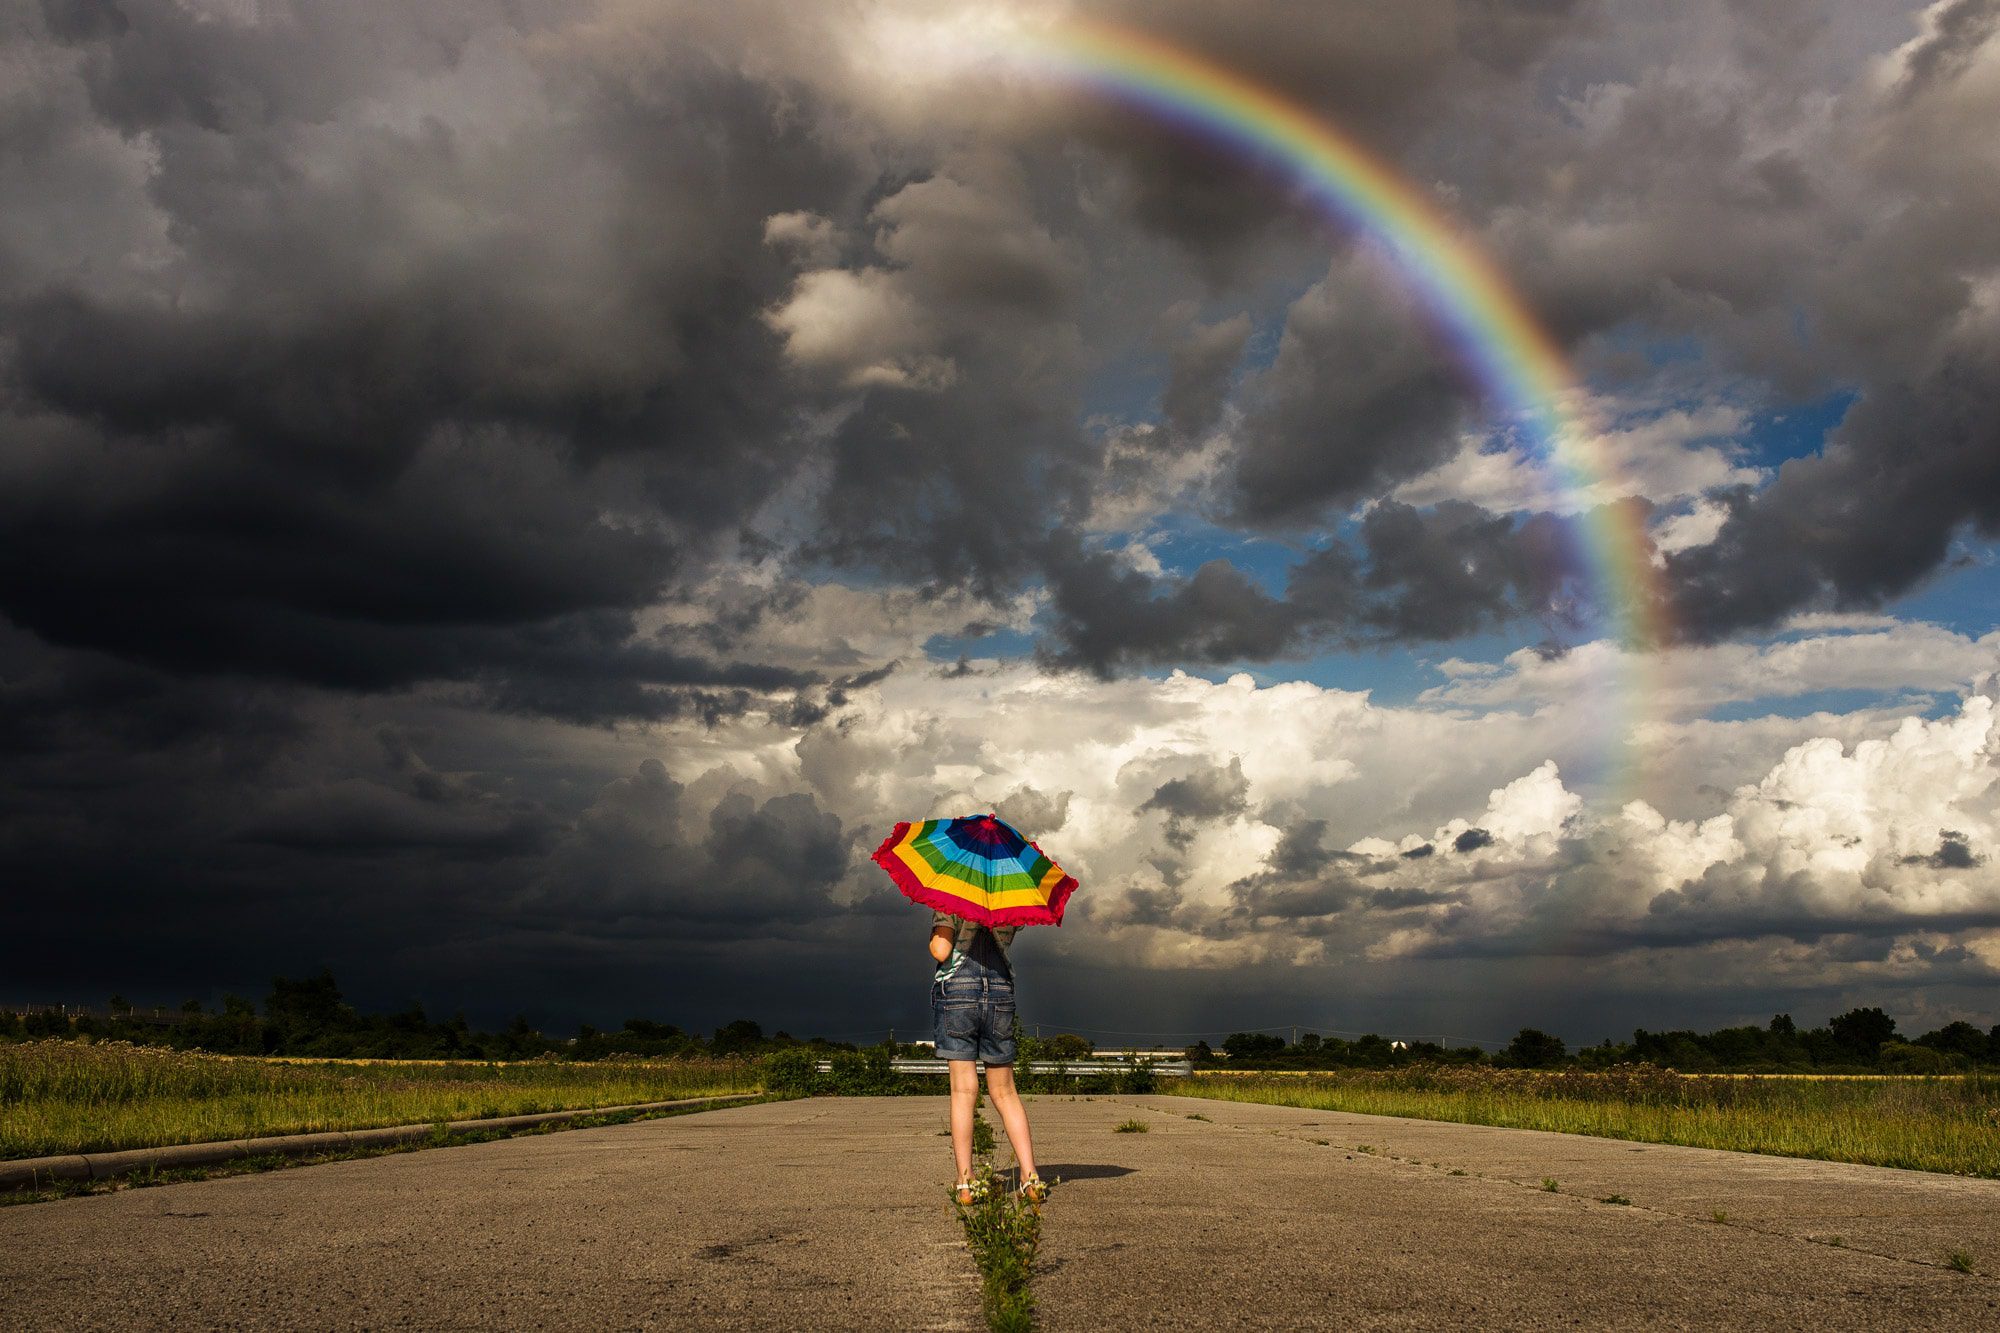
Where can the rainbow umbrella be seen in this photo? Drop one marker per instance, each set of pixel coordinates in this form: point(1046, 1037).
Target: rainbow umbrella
point(977, 867)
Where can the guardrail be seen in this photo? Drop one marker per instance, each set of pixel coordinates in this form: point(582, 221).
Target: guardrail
point(1069, 1068)
point(154, 1017)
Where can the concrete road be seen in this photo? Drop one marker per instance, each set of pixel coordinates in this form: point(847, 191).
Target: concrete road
point(831, 1214)
point(1267, 1217)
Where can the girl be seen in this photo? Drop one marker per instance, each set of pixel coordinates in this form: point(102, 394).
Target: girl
point(972, 1007)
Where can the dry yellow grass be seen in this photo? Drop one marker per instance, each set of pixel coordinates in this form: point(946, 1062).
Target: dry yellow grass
point(65, 1097)
point(1947, 1124)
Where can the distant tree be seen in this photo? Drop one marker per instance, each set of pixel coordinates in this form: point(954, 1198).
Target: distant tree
point(120, 1005)
point(1372, 1049)
point(1903, 1058)
point(1783, 1026)
point(737, 1037)
point(1601, 1056)
point(1309, 1041)
point(1821, 1048)
point(522, 1038)
point(1959, 1038)
point(1861, 1032)
point(1201, 1052)
point(1067, 1046)
point(46, 1023)
point(1534, 1049)
point(1242, 1046)
point(306, 1005)
point(191, 1007)
point(410, 1021)
point(646, 1027)
point(235, 1006)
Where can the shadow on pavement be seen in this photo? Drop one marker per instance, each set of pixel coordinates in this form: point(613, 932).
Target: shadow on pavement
point(1086, 1172)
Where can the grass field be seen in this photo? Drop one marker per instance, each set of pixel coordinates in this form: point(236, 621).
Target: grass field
point(1949, 1124)
point(65, 1097)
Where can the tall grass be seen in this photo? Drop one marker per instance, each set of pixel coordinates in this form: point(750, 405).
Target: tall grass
point(65, 1097)
point(1948, 1124)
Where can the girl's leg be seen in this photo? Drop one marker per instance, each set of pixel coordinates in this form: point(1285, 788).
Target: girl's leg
point(964, 1092)
point(1013, 1114)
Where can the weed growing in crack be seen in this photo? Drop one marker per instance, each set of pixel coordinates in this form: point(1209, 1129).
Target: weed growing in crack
point(1003, 1229)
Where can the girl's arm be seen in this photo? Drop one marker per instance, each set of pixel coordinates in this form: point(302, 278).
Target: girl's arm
point(941, 937)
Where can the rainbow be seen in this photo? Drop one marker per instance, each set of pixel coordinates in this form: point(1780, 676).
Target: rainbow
point(1523, 372)
point(1519, 367)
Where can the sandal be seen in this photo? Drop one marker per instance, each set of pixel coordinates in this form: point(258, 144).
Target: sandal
point(1032, 1189)
point(968, 1192)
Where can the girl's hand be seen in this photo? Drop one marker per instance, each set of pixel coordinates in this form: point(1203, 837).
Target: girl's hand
point(941, 937)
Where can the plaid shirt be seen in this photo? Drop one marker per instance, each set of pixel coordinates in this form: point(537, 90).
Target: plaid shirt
point(963, 932)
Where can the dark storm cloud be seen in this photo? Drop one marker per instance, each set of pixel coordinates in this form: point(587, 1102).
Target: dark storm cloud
point(1357, 400)
point(368, 359)
point(1301, 850)
point(1911, 467)
point(966, 448)
point(439, 400)
point(1819, 228)
point(396, 447)
point(357, 818)
point(362, 348)
point(1301, 881)
point(1455, 569)
point(1954, 853)
point(1206, 794)
point(934, 490)
point(1035, 813)
point(1200, 367)
point(1418, 574)
point(1961, 28)
point(1386, 74)
point(219, 834)
point(1262, 901)
point(1108, 615)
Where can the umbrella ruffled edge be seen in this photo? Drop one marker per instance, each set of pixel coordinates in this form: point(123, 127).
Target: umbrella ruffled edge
point(1050, 915)
point(918, 892)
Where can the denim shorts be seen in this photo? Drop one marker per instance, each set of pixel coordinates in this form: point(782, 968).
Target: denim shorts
point(973, 1013)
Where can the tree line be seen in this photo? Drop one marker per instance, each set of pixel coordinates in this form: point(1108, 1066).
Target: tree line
point(1864, 1040)
point(308, 1016)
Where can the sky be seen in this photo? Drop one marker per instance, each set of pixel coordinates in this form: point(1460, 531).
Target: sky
point(511, 502)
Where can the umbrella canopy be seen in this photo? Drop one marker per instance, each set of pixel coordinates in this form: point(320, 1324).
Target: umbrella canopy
point(977, 867)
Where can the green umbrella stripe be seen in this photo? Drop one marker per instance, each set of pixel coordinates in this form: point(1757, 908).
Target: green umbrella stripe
point(947, 867)
point(1033, 862)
